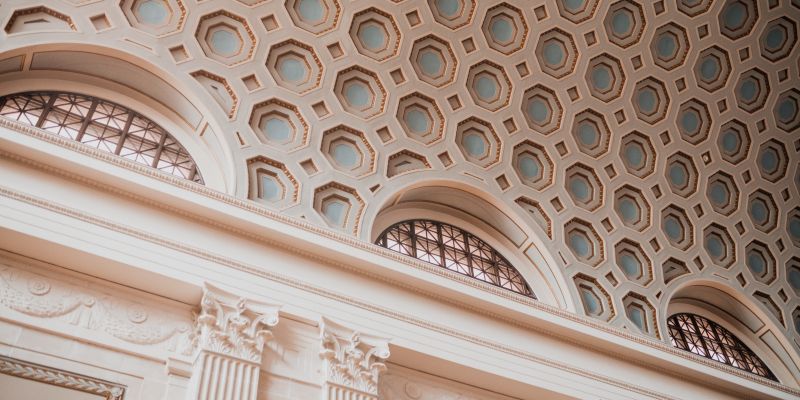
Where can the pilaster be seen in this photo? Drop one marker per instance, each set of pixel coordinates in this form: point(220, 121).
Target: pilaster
point(228, 342)
point(352, 362)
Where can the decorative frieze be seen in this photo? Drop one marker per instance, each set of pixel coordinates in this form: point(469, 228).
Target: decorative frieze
point(79, 306)
point(228, 342)
point(352, 362)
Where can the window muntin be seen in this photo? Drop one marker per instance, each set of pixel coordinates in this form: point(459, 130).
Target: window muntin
point(706, 338)
point(455, 249)
point(103, 125)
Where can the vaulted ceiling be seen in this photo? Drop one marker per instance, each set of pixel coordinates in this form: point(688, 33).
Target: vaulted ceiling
point(647, 143)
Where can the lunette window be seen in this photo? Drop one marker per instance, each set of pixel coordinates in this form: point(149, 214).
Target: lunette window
point(103, 125)
point(455, 249)
point(706, 338)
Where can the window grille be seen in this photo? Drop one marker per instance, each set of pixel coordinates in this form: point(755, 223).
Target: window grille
point(706, 338)
point(455, 249)
point(103, 125)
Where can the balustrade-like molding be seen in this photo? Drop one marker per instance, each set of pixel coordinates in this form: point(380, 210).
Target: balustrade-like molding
point(352, 362)
point(228, 342)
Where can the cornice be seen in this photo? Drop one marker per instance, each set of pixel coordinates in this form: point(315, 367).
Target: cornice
point(352, 242)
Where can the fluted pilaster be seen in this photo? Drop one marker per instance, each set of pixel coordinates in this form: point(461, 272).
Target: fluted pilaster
point(229, 338)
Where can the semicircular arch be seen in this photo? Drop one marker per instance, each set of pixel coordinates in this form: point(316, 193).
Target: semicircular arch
point(736, 312)
point(461, 204)
point(139, 84)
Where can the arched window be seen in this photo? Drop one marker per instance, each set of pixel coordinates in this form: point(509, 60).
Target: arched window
point(103, 125)
point(455, 249)
point(704, 337)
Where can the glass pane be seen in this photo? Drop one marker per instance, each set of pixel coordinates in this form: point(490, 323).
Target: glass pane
point(102, 125)
point(454, 249)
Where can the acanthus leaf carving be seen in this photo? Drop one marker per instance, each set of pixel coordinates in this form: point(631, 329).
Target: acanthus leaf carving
point(352, 359)
point(233, 326)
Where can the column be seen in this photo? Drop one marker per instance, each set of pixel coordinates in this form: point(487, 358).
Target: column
point(230, 334)
point(352, 362)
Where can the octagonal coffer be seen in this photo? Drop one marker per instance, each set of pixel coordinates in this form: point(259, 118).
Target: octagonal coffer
point(542, 110)
point(787, 111)
point(681, 174)
point(595, 300)
point(761, 262)
point(271, 183)
point(453, 14)
point(488, 85)
point(722, 193)
point(478, 142)
point(650, 100)
point(737, 18)
point(360, 92)
point(712, 68)
point(763, 210)
point(295, 66)
point(633, 262)
point(155, 17)
point(577, 11)
point(279, 124)
point(632, 208)
point(624, 23)
point(719, 245)
point(375, 34)
point(584, 186)
point(348, 151)
point(433, 61)
point(638, 154)
point(556, 53)
point(641, 314)
point(734, 141)
point(694, 121)
point(225, 37)
point(584, 242)
point(533, 165)
point(315, 16)
point(694, 8)
point(670, 46)
point(677, 227)
point(339, 206)
point(421, 118)
point(591, 133)
point(772, 160)
point(605, 77)
point(752, 90)
point(504, 28)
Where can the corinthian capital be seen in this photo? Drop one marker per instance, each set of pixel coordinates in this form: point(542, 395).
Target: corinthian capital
point(353, 360)
point(233, 326)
